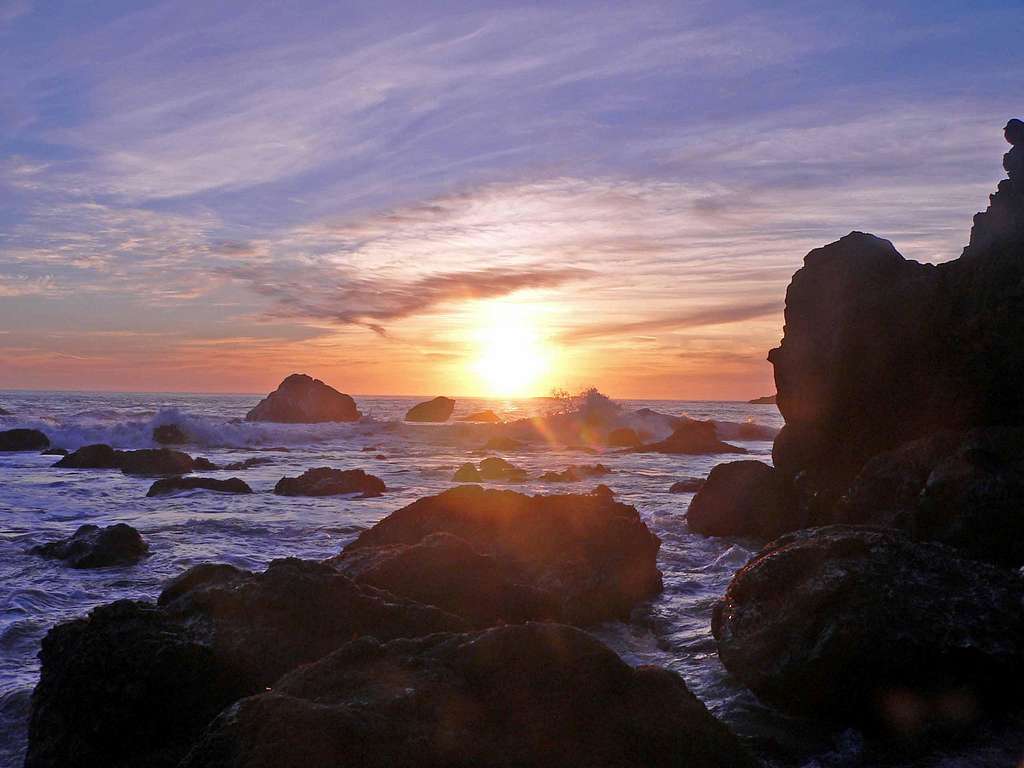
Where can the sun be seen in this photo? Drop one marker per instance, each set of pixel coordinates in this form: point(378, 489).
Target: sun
point(512, 358)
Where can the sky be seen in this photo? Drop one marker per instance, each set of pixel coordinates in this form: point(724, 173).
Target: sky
point(468, 198)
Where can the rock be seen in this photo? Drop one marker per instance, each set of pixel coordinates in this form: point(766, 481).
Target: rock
point(175, 484)
point(623, 437)
point(591, 556)
point(98, 456)
point(766, 400)
point(503, 444)
point(23, 440)
point(4, 412)
point(691, 437)
point(493, 468)
point(169, 434)
point(93, 547)
point(158, 461)
point(864, 625)
point(436, 410)
point(961, 489)
point(467, 473)
point(575, 473)
point(301, 399)
point(134, 684)
point(201, 463)
point(743, 498)
point(485, 417)
point(530, 695)
point(325, 481)
point(255, 461)
point(54, 452)
point(687, 485)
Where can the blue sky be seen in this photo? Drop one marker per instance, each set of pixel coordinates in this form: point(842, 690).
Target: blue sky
point(209, 195)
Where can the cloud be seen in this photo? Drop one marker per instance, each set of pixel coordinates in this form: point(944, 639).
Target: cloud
point(713, 316)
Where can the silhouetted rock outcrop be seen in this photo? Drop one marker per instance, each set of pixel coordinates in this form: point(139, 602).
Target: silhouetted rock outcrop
point(134, 684)
point(325, 481)
point(587, 555)
point(766, 400)
point(863, 624)
point(93, 547)
point(149, 461)
point(23, 440)
point(535, 695)
point(301, 399)
point(437, 410)
point(743, 498)
point(176, 484)
point(691, 437)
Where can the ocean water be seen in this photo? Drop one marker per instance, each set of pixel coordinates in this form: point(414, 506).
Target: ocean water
point(39, 503)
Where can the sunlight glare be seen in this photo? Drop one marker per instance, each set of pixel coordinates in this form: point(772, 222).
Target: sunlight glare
point(512, 359)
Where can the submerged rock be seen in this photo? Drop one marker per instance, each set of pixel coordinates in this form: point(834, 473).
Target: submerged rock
point(743, 498)
point(301, 399)
point(533, 695)
point(169, 434)
point(93, 547)
point(23, 440)
point(865, 625)
point(575, 473)
point(201, 463)
point(176, 484)
point(692, 437)
point(436, 410)
point(134, 684)
point(588, 555)
point(325, 481)
point(54, 452)
point(149, 461)
point(255, 461)
point(623, 437)
point(483, 417)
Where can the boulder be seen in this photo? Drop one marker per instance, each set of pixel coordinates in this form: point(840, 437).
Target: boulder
point(325, 481)
point(483, 417)
point(493, 468)
point(743, 498)
point(169, 434)
point(93, 547)
point(436, 410)
point(865, 625)
point(134, 684)
point(175, 484)
point(255, 461)
point(691, 437)
point(529, 695)
point(962, 489)
point(623, 437)
point(687, 485)
point(23, 440)
point(201, 463)
point(98, 456)
point(467, 473)
point(301, 399)
point(591, 556)
point(149, 461)
point(575, 473)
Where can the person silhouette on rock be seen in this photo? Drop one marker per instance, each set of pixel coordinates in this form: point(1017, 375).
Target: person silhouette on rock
point(1013, 161)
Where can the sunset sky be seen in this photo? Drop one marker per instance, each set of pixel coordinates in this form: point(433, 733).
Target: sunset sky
point(466, 197)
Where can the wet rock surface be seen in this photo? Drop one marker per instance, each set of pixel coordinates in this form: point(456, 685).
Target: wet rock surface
point(325, 481)
point(537, 695)
point(301, 399)
point(743, 498)
point(93, 547)
point(23, 440)
point(176, 484)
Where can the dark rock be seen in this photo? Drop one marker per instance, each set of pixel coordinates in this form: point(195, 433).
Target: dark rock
point(575, 473)
point(766, 400)
point(467, 473)
point(94, 547)
point(528, 695)
point(691, 437)
point(436, 410)
point(687, 485)
point(23, 440)
point(961, 489)
point(4, 412)
point(154, 461)
point(201, 463)
point(592, 557)
point(169, 434)
point(865, 625)
point(301, 399)
point(54, 452)
point(96, 456)
point(744, 498)
point(485, 417)
point(493, 468)
point(325, 481)
point(175, 484)
point(623, 437)
point(134, 684)
point(503, 444)
point(255, 461)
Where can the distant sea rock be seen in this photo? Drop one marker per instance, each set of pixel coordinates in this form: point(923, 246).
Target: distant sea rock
point(494, 468)
point(301, 399)
point(691, 437)
point(579, 558)
point(326, 481)
point(766, 400)
point(484, 417)
point(149, 461)
point(23, 440)
point(175, 484)
point(169, 434)
point(575, 473)
point(743, 498)
point(437, 410)
point(93, 547)
point(864, 625)
point(533, 695)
